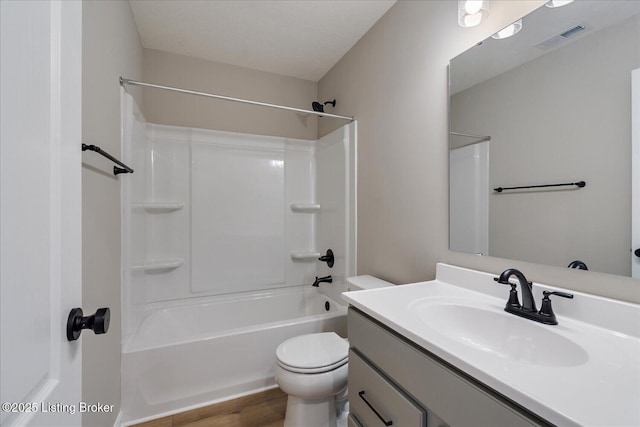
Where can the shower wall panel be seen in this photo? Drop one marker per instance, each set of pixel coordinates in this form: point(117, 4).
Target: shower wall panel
point(167, 212)
point(469, 200)
point(237, 216)
point(335, 190)
point(218, 215)
point(300, 188)
point(134, 138)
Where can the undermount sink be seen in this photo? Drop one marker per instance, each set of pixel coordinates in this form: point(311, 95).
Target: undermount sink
point(499, 333)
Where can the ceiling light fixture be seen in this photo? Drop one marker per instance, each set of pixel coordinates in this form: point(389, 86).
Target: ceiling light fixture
point(471, 12)
point(508, 31)
point(558, 3)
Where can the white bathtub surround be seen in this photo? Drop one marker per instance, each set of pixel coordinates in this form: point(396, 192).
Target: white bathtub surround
point(591, 355)
point(220, 236)
point(209, 212)
point(335, 157)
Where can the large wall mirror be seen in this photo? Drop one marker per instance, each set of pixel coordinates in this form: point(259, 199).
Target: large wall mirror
point(548, 105)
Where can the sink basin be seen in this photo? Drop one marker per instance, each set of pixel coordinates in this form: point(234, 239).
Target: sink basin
point(500, 333)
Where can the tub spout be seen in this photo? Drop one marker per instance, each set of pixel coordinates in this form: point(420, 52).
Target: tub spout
point(325, 279)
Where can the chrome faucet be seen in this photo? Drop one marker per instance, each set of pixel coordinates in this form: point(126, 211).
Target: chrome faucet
point(528, 308)
point(325, 279)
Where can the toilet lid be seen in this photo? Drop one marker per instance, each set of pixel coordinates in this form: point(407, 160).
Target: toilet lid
point(313, 352)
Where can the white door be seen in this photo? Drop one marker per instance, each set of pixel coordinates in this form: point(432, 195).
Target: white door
point(40, 211)
point(635, 173)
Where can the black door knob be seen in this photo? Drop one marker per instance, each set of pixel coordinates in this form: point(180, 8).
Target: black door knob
point(98, 322)
point(637, 252)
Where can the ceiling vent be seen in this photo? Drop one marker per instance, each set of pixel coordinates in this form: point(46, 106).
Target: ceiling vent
point(567, 34)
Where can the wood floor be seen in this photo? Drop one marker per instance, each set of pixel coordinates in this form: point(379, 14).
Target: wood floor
point(265, 409)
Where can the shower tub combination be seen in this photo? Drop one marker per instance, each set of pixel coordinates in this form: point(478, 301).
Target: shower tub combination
point(182, 357)
point(221, 238)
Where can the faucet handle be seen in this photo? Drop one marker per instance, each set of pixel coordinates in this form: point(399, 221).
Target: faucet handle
point(560, 294)
point(514, 301)
point(546, 310)
point(328, 258)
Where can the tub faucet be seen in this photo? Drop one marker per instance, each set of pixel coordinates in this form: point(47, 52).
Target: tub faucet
point(325, 279)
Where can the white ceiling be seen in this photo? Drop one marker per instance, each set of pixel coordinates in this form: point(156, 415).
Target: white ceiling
point(298, 38)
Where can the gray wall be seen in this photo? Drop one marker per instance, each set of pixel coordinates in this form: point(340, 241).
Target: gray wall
point(563, 117)
point(177, 109)
point(111, 48)
point(394, 81)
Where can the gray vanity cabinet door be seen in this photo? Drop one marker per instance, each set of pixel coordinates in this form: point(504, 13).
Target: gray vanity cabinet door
point(375, 402)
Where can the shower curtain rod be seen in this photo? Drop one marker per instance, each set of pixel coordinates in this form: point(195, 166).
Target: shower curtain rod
point(124, 81)
point(469, 135)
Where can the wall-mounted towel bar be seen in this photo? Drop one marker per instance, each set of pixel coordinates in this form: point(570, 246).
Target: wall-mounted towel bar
point(578, 184)
point(116, 170)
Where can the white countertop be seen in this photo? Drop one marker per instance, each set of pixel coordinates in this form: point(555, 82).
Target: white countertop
point(597, 384)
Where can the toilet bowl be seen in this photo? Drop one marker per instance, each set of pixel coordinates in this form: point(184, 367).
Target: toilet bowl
point(312, 370)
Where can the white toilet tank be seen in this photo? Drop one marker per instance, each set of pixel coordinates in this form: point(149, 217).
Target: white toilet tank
point(360, 283)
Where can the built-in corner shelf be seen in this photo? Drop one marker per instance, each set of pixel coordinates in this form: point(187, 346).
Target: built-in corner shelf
point(158, 265)
point(304, 256)
point(159, 207)
point(305, 207)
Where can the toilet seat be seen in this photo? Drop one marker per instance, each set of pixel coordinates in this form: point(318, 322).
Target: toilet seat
point(313, 353)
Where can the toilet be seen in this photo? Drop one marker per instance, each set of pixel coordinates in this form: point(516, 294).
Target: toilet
point(312, 370)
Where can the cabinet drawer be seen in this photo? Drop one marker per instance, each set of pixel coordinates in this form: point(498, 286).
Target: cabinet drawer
point(377, 403)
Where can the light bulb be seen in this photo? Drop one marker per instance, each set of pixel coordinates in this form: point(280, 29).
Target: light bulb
point(472, 20)
point(472, 7)
point(508, 31)
point(471, 12)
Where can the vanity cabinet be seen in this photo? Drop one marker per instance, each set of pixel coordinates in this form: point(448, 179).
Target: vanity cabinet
point(375, 401)
point(404, 380)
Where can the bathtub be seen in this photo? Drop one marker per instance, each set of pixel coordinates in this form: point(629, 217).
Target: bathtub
point(185, 355)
